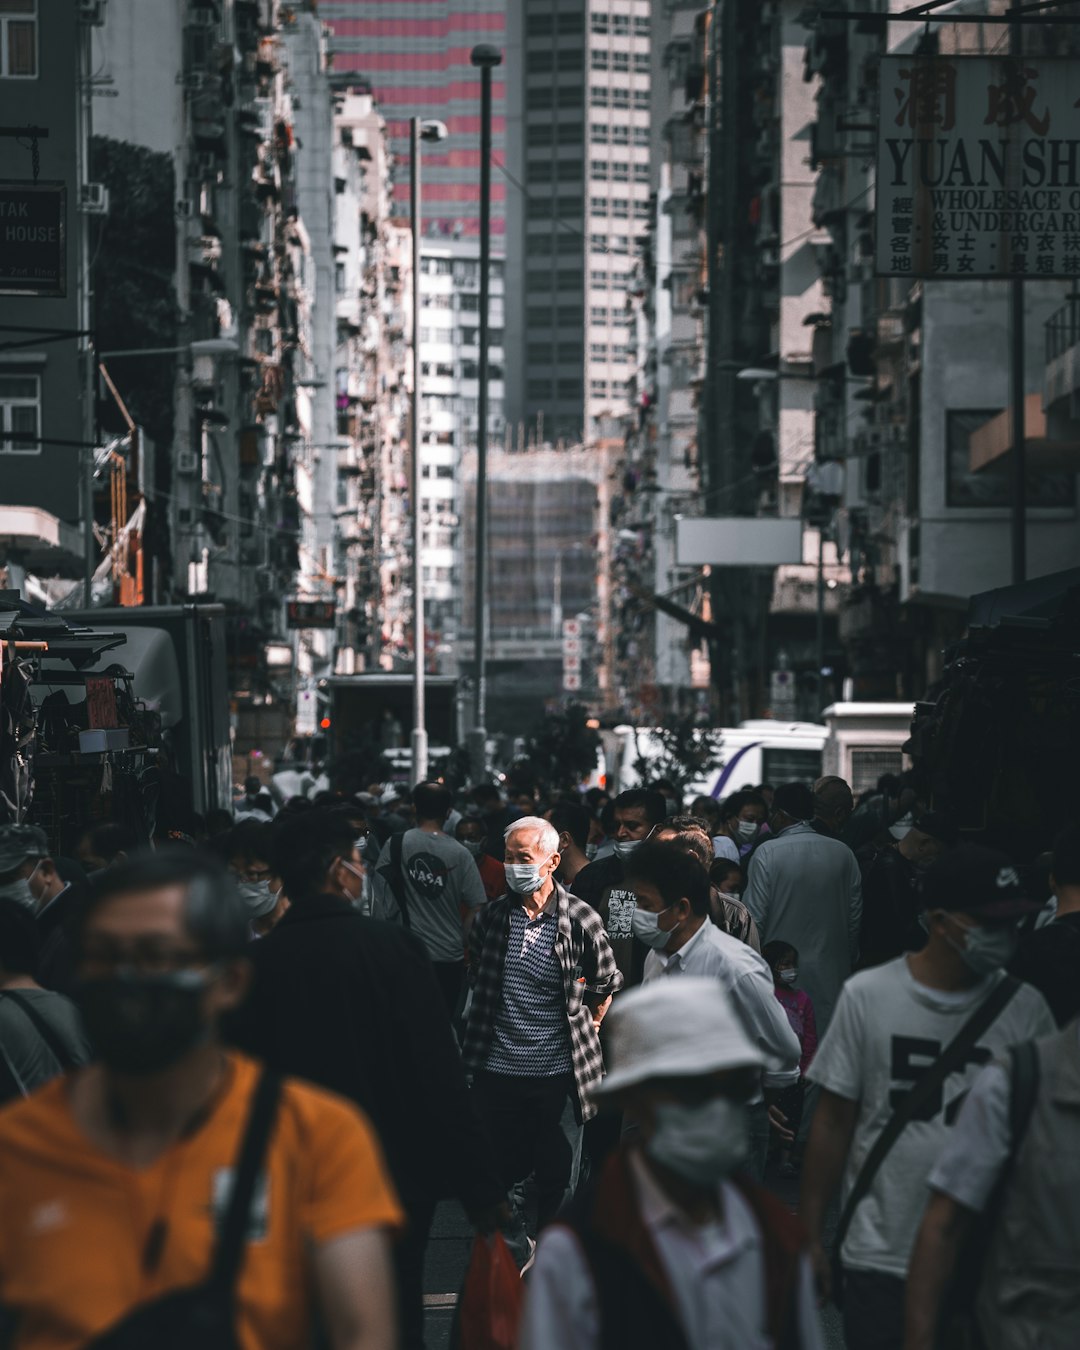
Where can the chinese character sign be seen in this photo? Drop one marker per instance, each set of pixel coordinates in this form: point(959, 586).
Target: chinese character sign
point(978, 167)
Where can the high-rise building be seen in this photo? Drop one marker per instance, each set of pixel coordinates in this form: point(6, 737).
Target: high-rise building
point(578, 137)
point(415, 55)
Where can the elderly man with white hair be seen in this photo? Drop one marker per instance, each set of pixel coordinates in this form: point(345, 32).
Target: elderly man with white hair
point(542, 974)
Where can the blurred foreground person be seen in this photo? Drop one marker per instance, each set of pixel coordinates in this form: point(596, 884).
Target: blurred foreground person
point(894, 1066)
point(352, 1003)
point(172, 1194)
point(671, 1247)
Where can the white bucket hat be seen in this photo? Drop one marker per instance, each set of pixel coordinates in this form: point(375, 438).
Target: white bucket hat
point(682, 1026)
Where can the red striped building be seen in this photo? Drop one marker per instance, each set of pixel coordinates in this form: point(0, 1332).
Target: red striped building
point(415, 56)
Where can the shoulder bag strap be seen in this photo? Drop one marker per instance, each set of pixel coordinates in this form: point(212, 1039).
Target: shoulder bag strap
point(59, 1050)
point(396, 877)
point(931, 1082)
point(233, 1239)
point(1023, 1089)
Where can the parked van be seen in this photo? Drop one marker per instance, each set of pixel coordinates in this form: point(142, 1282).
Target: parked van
point(865, 740)
point(759, 751)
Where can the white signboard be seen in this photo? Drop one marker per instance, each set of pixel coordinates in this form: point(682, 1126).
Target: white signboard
point(738, 541)
point(571, 628)
point(978, 167)
point(306, 712)
point(571, 681)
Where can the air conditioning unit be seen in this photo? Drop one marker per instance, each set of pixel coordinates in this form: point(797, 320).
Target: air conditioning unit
point(187, 462)
point(94, 199)
point(92, 12)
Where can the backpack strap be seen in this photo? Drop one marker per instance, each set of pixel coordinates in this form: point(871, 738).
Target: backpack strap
point(58, 1049)
point(1024, 1076)
point(925, 1089)
point(396, 877)
point(232, 1241)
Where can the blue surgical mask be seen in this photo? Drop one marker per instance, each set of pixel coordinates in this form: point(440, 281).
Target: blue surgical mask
point(475, 846)
point(624, 848)
point(646, 928)
point(985, 950)
point(524, 878)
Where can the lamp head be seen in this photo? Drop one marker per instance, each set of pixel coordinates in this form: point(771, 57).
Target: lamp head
point(432, 130)
point(486, 55)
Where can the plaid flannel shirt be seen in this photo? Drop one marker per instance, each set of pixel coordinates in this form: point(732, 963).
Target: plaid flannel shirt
point(587, 964)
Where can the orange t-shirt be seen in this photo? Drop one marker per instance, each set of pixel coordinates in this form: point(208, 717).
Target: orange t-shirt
point(75, 1223)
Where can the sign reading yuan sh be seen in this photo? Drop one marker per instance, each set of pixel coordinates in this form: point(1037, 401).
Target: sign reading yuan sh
point(33, 238)
point(978, 167)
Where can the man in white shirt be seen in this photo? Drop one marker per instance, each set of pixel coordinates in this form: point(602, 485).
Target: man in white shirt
point(805, 889)
point(672, 918)
point(667, 1249)
point(892, 1023)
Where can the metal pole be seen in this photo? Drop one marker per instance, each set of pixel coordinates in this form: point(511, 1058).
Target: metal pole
point(419, 731)
point(486, 58)
point(1016, 391)
point(820, 634)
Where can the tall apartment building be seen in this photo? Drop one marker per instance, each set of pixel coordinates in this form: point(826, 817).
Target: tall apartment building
point(449, 416)
point(578, 72)
point(415, 56)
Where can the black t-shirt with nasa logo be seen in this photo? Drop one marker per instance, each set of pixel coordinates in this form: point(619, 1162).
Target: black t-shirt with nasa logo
point(603, 885)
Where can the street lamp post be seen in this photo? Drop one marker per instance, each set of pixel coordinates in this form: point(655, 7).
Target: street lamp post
point(419, 130)
point(486, 58)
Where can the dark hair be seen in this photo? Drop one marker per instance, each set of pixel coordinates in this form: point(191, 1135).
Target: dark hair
point(746, 797)
point(218, 820)
point(247, 839)
point(20, 941)
point(306, 846)
point(702, 804)
point(595, 795)
point(607, 817)
point(643, 799)
point(674, 873)
point(433, 801)
point(253, 785)
point(107, 840)
point(795, 800)
point(691, 840)
point(573, 819)
point(474, 821)
point(485, 792)
point(1065, 867)
point(723, 867)
point(214, 914)
point(775, 951)
point(685, 821)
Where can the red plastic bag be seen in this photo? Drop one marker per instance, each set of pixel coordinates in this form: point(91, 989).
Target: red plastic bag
point(491, 1297)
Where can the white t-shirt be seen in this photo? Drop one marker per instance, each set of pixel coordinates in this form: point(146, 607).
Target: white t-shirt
point(886, 1031)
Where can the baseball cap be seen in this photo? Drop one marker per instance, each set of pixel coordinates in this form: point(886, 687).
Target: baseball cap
point(678, 1028)
point(19, 842)
point(979, 881)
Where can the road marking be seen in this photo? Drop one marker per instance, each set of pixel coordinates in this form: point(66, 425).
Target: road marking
point(440, 1300)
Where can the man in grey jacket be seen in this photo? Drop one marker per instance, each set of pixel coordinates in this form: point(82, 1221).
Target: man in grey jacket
point(804, 889)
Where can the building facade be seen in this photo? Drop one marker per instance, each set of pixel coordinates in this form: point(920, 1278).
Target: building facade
point(415, 58)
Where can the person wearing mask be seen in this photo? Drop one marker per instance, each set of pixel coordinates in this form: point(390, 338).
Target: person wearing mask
point(542, 974)
point(834, 805)
point(572, 822)
point(783, 961)
point(1009, 1165)
point(1048, 957)
point(256, 803)
point(727, 911)
point(23, 849)
point(37, 883)
point(741, 819)
point(892, 878)
point(106, 845)
point(247, 850)
point(672, 920)
point(805, 887)
point(892, 1024)
point(636, 814)
point(353, 1005)
point(426, 881)
point(114, 1174)
point(708, 810)
point(41, 1034)
point(471, 834)
point(672, 1246)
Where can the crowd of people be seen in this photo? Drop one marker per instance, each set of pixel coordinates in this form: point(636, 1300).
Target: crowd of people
point(242, 1069)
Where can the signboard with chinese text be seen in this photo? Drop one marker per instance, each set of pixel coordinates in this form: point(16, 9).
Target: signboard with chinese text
point(310, 613)
point(978, 167)
point(33, 238)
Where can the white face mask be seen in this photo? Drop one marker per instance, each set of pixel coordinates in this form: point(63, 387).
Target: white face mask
point(703, 1143)
point(257, 896)
point(591, 851)
point(475, 846)
point(624, 848)
point(361, 877)
point(646, 928)
point(747, 830)
point(985, 950)
point(525, 878)
point(20, 892)
point(789, 976)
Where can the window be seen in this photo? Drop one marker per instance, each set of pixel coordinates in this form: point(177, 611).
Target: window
point(598, 168)
point(537, 388)
point(339, 278)
point(641, 25)
point(620, 61)
point(620, 135)
point(20, 414)
point(620, 209)
point(598, 351)
point(466, 273)
point(641, 173)
point(620, 23)
point(641, 98)
point(598, 59)
point(991, 486)
point(540, 61)
point(641, 211)
point(569, 316)
point(538, 354)
point(540, 25)
point(540, 133)
point(570, 133)
point(469, 337)
point(641, 62)
point(598, 243)
point(620, 98)
point(437, 267)
point(18, 39)
point(598, 206)
point(598, 314)
point(541, 172)
point(568, 389)
point(571, 59)
point(571, 23)
point(538, 318)
point(598, 97)
point(641, 135)
point(598, 133)
point(469, 302)
point(599, 23)
point(598, 277)
point(540, 98)
point(598, 388)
